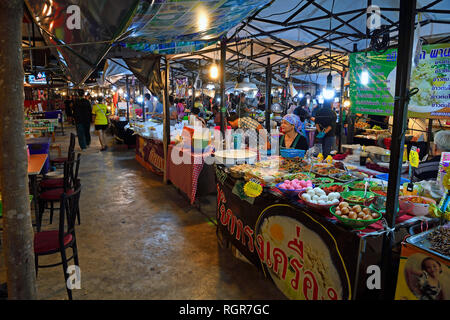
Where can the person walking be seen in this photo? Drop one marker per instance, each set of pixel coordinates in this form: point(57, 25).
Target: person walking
point(100, 115)
point(82, 115)
point(326, 127)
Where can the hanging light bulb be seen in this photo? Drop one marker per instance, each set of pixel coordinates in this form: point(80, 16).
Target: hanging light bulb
point(214, 71)
point(346, 103)
point(328, 93)
point(300, 95)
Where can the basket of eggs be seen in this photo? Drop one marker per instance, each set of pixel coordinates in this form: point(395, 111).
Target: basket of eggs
point(355, 216)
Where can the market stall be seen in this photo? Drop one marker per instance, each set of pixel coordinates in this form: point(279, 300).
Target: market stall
point(314, 242)
point(149, 144)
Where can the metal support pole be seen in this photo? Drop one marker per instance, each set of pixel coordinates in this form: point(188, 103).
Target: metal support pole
point(128, 98)
point(405, 44)
point(141, 93)
point(166, 121)
point(268, 94)
point(429, 134)
point(341, 122)
point(286, 86)
point(193, 93)
point(223, 56)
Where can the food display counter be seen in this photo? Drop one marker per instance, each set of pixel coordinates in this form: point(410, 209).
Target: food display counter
point(149, 145)
point(313, 232)
point(186, 170)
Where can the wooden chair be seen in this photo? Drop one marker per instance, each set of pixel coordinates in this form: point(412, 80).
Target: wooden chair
point(60, 161)
point(57, 241)
point(53, 196)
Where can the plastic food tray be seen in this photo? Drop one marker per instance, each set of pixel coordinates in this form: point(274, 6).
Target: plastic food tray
point(420, 240)
point(385, 177)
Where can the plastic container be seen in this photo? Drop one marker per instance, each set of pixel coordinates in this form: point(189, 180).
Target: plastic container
point(290, 193)
point(353, 223)
point(292, 153)
point(370, 196)
point(415, 209)
point(385, 177)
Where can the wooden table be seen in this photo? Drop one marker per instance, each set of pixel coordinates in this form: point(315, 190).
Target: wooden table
point(35, 164)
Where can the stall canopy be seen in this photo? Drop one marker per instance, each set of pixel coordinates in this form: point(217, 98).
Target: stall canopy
point(158, 27)
point(114, 70)
point(311, 37)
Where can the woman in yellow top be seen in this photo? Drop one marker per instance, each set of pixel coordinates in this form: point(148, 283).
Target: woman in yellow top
point(100, 115)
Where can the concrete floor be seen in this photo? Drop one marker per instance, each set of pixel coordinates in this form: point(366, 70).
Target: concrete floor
point(140, 239)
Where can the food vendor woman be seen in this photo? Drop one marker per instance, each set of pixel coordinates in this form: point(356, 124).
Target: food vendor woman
point(429, 169)
point(293, 136)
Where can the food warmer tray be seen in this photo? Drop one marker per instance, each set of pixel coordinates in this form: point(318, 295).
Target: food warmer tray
point(420, 240)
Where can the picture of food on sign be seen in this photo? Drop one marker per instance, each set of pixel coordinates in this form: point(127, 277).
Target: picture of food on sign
point(317, 275)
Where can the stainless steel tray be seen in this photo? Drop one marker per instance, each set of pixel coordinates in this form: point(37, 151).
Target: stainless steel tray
point(420, 240)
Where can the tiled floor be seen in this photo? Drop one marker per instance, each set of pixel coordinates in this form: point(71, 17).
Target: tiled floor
point(140, 239)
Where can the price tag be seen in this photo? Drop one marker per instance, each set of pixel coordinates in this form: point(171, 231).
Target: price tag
point(253, 189)
point(414, 157)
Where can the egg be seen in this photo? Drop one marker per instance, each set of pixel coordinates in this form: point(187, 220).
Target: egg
point(323, 198)
point(287, 181)
point(315, 198)
point(343, 205)
point(306, 197)
point(314, 201)
point(357, 208)
point(338, 212)
point(367, 217)
point(311, 193)
point(361, 215)
point(335, 201)
point(345, 210)
point(309, 189)
point(352, 215)
point(321, 202)
point(366, 210)
point(375, 215)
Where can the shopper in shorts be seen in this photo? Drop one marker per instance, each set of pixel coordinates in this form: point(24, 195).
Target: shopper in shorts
point(100, 115)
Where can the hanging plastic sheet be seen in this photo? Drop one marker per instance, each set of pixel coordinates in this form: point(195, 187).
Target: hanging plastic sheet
point(83, 30)
point(170, 27)
point(147, 70)
point(115, 70)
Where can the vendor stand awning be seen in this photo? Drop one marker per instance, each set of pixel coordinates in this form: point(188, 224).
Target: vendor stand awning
point(83, 35)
